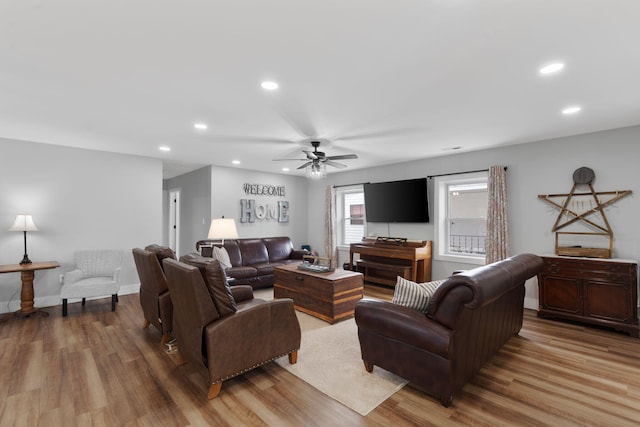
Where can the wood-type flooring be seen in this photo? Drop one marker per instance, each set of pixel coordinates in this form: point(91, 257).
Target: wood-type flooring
point(99, 368)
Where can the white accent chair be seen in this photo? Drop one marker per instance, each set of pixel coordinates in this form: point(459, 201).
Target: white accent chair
point(96, 274)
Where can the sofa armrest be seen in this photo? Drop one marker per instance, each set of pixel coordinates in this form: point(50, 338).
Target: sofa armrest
point(242, 292)
point(299, 253)
point(71, 276)
point(403, 324)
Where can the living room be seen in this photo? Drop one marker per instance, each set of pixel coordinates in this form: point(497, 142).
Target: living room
point(104, 198)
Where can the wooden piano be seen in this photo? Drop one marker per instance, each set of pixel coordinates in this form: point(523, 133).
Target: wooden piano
point(381, 261)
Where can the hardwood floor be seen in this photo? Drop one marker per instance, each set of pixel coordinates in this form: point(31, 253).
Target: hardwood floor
point(95, 367)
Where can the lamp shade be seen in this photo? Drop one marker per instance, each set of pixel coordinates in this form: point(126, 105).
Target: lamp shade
point(23, 223)
point(223, 228)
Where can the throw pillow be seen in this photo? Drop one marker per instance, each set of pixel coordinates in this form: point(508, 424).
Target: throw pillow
point(222, 256)
point(414, 295)
point(218, 288)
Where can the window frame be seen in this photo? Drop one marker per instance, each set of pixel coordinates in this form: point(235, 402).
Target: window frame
point(340, 217)
point(441, 185)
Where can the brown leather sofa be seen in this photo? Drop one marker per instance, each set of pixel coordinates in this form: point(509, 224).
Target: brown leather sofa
point(154, 293)
point(223, 329)
point(469, 318)
point(252, 260)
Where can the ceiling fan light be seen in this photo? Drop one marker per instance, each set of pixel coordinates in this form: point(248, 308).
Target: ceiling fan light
point(316, 171)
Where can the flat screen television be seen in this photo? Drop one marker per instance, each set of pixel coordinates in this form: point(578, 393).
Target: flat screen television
point(397, 201)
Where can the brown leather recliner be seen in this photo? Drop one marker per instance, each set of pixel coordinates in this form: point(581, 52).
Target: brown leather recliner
point(154, 293)
point(226, 335)
point(468, 319)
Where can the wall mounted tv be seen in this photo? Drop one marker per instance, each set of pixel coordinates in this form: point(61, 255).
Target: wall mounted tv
point(397, 201)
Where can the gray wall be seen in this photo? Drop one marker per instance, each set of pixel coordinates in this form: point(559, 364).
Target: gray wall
point(195, 207)
point(536, 168)
point(79, 199)
point(228, 189)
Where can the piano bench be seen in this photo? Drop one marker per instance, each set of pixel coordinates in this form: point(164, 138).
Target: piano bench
point(385, 274)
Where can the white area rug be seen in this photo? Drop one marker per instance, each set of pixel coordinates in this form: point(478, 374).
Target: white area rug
point(329, 359)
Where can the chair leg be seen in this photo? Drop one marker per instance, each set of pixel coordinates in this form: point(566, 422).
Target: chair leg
point(114, 297)
point(166, 337)
point(368, 366)
point(214, 390)
point(83, 301)
point(64, 307)
point(146, 324)
point(293, 357)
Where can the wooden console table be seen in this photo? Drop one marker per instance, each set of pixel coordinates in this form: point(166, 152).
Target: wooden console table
point(27, 274)
point(598, 291)
point(382, 262)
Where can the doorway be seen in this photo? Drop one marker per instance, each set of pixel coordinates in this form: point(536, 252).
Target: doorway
point(174, 220)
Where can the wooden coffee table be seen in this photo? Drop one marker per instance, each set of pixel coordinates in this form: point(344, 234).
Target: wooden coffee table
point(331, 296)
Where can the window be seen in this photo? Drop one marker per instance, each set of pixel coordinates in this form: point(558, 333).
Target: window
point(350, 210)
point(461, 218)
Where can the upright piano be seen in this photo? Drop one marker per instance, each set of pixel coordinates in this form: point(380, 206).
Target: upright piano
point(382, 260)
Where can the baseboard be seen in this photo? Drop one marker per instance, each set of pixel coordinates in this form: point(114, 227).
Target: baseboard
point(531, 303)
point(55, 300)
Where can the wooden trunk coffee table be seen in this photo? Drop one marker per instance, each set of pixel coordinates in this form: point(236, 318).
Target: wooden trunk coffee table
point(331, 296)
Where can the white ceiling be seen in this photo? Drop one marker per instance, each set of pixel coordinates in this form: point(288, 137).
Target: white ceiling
point(388, 80)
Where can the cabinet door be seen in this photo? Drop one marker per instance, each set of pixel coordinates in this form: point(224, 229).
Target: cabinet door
point(561, 294)
point(608, 301)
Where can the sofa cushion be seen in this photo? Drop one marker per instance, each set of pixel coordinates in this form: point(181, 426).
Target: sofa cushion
point(267, 268)
point(279, 248)
point(414, 295)
point(218, 288)
point(241, 272)
point(222, 256)
point(254, 251)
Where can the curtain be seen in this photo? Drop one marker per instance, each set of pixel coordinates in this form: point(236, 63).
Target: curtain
point(331, 227)
point(497, 241)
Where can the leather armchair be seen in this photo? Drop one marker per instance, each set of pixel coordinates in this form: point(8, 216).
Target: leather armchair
point(155, 300)
point(227, 336)
point(469, 318)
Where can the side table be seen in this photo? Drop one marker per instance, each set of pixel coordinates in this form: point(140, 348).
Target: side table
point(27, 273)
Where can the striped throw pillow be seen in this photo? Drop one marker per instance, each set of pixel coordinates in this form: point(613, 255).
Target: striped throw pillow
point(414, 295)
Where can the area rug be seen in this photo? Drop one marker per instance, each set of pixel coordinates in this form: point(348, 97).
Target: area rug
point(329, 359)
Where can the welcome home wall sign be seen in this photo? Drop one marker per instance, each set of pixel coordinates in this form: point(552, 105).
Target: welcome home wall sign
point(250, 210)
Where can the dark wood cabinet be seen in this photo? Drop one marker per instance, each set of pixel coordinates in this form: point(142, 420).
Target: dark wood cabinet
point(595, 291)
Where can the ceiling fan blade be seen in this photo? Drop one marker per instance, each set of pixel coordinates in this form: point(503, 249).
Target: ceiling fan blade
point(389, 133)
point(292, 111)
point(246, 138)
point(296, 160)
point(310, 155)
point(305, 165)
point(343, 157)
point(335, 164)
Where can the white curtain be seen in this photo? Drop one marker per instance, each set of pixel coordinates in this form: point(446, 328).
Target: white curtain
point(497, 240)
point(330, 226)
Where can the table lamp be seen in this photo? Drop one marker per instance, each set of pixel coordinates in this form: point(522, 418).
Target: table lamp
point(24, 223)
point(223, 228)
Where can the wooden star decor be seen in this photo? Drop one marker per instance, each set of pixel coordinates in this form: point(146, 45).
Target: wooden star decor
point(587, 207)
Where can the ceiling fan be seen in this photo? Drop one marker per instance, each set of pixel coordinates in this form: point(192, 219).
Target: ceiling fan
point(316, 158)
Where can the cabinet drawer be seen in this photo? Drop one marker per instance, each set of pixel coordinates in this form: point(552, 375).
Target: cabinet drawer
point(606, 271)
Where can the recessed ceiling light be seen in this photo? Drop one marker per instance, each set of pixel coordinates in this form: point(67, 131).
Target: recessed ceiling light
point(235, 162)
point(201, 126)
point(164, 148)
point(269, 85)
point(571, 110)
point(285, 169)
point(552, 68)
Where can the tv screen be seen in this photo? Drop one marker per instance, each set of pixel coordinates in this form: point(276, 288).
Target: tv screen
point(397, 201)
